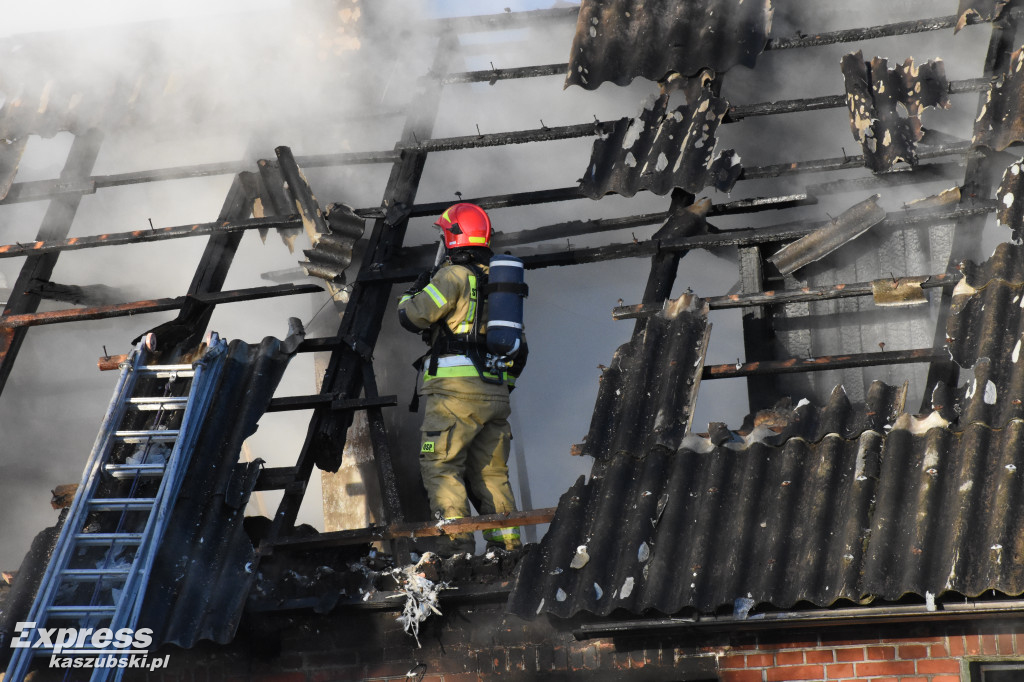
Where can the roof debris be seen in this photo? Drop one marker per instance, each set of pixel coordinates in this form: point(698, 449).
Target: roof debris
point(618, 40)
point(873, 92)
point(852, 223)
point(661, 150)
point(978, 10)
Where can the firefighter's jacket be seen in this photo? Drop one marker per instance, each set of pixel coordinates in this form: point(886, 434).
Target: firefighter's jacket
point(453, 296)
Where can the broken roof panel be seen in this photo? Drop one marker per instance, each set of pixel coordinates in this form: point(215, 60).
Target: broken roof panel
point(735, 526)
point(662, 150)
point(1001, 122)
point(873, 92)
point(648, 391)
point(206, 564)
point(850, 224)
point(978, 10)
point(618, 40)
point(985, 333)
point(1010, 196)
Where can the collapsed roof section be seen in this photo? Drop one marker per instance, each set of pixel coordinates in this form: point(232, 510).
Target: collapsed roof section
point(618, 40)
point(661, 150)
point(873, 92)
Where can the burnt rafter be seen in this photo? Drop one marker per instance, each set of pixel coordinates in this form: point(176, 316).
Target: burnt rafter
point(873, 92)
point(661, 150)
point(972, 11)
point(618, 40)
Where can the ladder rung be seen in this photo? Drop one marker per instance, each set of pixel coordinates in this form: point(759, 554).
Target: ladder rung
point(80, 611)
point(106, 539)
point(166, 371)
point(122, 504)
point(170, 403)
point(95, 573)
point(133, 470)
point(160, 435)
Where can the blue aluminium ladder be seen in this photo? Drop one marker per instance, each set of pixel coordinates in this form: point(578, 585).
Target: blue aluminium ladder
point(97, 575)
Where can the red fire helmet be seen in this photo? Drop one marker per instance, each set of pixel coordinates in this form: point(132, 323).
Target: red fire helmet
point(465, 225)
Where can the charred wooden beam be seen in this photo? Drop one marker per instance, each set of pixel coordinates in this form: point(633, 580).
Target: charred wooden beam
point(155, 305)
point(364, 314)
point(784, 296)
point(55, 225)
point(147, 235)
point(495, 75)
point(422, 529)
point(334, 402)
point(821, 364)
point(854, 35)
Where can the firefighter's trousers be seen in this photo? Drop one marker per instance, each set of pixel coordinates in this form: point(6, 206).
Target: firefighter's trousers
point(463, 456)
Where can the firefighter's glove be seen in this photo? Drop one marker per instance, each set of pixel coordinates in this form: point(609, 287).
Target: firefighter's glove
point(417, 286)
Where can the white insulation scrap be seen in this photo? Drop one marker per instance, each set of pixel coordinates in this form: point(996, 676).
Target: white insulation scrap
point(420, 598)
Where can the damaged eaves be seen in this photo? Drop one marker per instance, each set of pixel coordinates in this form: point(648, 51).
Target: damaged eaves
point(618, 40)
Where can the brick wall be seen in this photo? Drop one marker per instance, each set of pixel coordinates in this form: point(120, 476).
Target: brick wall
point(938, 654)
point(479, 641)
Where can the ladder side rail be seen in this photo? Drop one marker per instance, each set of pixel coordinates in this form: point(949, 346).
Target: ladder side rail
point(207, 374)
point(22, 657)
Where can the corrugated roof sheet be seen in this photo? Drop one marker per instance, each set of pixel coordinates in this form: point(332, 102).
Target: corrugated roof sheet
point(661, 150)
point(812, 504)
point(878, 516)
point(1001, 122)
point(1010, 196)
point(985, 332)
point(873, 92)
point(649, 388)
point(618, 40)
point(206, 565)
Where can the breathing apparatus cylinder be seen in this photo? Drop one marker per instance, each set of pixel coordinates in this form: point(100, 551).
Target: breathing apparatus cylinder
point(506, 290)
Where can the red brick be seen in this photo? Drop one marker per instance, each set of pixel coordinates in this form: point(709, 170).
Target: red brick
point(1004, 644)
point(956, 646)
point(913, 651)
point(946, 678)
point(839, 670)
point(881, 653)
point(789, 658)
point(759, 661)
point(885, 668)
point(939, 651)
point(797, 672)
point(740, 676)
point(733, 661)
point(972, 644)
point(849, 654)
point(939, 665)
point(1019, 642)
point(988, 644)
point(819, 656)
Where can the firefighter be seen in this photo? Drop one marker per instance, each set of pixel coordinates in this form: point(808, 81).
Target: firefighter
point(465, 436)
